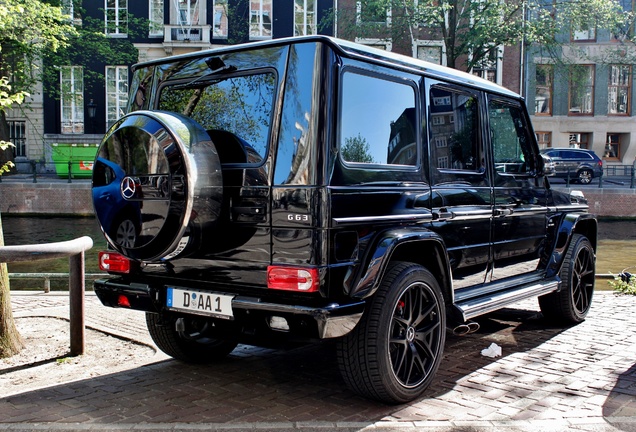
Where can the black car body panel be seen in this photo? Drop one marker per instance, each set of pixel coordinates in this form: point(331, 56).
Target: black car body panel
point(337, 167)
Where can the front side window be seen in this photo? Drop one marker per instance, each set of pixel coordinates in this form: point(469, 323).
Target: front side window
point(72, 99)
point(377, 121)
point(116, 17)
point(116, 93)
point(543, 90)
point(236, 111)
point(156, 18)
point(619, 90)
point(510, 139)
point(454, 134)
point(305, 17)
point(581, 90)
point(261, 19)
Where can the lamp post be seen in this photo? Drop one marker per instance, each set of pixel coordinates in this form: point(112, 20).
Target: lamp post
point(92, 110)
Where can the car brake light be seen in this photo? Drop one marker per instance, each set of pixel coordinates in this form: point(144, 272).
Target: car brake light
point(113, 262)
point(302, 279)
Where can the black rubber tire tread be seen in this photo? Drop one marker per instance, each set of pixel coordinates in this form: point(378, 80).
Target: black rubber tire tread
point(168, 340)
point(561, 306)
point(359, 355)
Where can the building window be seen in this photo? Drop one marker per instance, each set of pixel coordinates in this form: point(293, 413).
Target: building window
point(188, 13)
point(116, 17)
point(430, 51)
point(581, 90)
point(580, 140)
point(220, 18)
point(17, 136)
point(68, 8)
point(305, 17)
point(261, 19)
point(620, 89)
point(156, 18)
point(584, 35)
point(369, 12)
point(544, 139)
point(543, 90)
point(612, 147)
point(72, 99)
point(116, 93)
point(488, 67)
point(382, 44)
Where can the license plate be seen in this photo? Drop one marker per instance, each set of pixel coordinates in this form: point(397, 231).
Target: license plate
point(200, 303)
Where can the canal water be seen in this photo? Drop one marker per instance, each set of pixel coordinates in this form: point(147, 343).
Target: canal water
point(616, 251)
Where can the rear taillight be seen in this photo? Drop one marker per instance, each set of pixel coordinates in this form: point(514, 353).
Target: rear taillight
point(300, 279)
point(113, 262)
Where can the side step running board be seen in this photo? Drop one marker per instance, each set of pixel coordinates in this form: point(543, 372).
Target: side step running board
point(473, 307)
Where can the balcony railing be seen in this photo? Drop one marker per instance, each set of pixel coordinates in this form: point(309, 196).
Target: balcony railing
point(187, 34)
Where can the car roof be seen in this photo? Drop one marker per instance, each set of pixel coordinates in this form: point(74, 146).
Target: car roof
point(353, 50)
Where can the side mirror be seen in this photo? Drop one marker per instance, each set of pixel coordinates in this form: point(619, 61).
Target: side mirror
point(548, 166)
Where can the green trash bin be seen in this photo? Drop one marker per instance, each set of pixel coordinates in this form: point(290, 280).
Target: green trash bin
point(81, 156)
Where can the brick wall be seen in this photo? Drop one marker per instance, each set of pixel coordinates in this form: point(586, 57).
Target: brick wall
point(46, 198)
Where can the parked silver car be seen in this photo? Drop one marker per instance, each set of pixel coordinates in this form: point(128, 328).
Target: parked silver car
point(576, 164)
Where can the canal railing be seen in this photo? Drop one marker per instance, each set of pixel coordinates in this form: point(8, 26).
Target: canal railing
point(74, 249)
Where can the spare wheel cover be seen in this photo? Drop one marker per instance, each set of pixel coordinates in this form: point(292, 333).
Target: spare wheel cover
point(158, 172)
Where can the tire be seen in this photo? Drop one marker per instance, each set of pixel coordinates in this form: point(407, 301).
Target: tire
point(571, 304)
point(395, 351)
point(191, 346)
point(585, 176)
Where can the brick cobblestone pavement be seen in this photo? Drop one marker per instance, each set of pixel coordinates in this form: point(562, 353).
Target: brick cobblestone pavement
point(549, 378)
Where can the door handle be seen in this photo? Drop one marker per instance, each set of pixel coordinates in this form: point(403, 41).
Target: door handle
point(503, 211)
point(442, 214)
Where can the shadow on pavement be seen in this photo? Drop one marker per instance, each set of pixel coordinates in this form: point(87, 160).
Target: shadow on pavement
point(260, 385)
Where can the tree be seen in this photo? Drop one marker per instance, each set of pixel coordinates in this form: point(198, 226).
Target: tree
point(472, 31)
point(356, 149)
point(27, 29)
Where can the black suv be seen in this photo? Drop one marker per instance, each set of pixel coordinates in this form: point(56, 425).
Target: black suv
point(311, 188)
point(575, 164)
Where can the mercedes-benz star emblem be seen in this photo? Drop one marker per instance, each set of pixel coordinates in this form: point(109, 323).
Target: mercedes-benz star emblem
point(128, 187)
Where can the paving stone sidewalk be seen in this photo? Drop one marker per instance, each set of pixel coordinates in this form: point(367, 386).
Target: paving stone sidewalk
point(549, 378)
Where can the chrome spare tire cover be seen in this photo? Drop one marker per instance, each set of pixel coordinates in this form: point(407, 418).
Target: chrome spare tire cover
point(157, 174)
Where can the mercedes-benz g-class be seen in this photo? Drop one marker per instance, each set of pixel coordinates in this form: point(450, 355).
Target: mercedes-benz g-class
point(310, 188)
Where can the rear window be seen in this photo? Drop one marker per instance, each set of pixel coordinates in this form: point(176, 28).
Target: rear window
point(236, 111)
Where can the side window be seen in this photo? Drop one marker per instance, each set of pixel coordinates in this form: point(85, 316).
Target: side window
point(510, 139)
point(455, 144)
point(377, 121)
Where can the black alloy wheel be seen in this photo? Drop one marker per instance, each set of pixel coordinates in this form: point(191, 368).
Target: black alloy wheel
point(395, 350)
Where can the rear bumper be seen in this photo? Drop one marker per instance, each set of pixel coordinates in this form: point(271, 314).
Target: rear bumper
point(332, 321)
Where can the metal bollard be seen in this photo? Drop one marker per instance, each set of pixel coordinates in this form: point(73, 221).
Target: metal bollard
point(69, 171)
point(34, 168)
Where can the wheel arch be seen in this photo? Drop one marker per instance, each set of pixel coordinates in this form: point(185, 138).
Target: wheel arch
point(570, 224)
point(420, 246)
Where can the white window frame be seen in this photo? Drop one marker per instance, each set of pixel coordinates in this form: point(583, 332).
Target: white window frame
point(155, 14)
point(195, 15)
point(309, 18)
point(260, 13)
point(72, 102)
point(498, 67)
point(116, 100)
point(383, 44)
point(119, 27)
point(430, 43)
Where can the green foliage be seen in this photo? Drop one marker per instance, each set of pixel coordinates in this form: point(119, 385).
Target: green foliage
point(357, 149)
point(624, 285)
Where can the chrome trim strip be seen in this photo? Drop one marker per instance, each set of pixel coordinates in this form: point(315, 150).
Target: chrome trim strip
point(417, 218)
